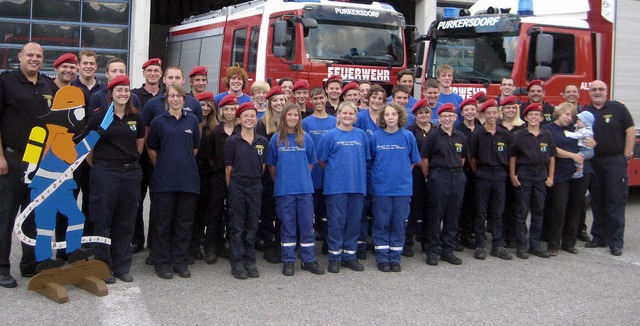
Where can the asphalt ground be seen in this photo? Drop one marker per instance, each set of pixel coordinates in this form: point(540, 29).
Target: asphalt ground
point(591, 288)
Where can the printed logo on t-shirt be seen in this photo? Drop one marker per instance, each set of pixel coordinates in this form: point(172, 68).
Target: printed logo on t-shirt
point(547, 117)
point(607, 117)
point(260, 149)
point(458, 148)
point(133, 125)
point(390, 147)
point(500, 146)
point(188, 131)
point(543, 147)
point(349, 143)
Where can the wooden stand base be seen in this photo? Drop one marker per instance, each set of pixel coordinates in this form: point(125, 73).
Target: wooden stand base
point(85, 274)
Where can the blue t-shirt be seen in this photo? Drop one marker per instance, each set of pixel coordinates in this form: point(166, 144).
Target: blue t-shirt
point(293, 176)
point(391, 159)
point(316, 127)
point(242, 99)
point(156, 106)
point(364, 122)
point(345, 154)
point(174, 139)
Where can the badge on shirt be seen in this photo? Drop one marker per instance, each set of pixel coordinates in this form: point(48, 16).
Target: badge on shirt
point(500, 146)
point(458, 147)
point(260, 149)
point(133, 125)
point(543, 147)
point(547, 117)
point(607, 117)
point(49, 99)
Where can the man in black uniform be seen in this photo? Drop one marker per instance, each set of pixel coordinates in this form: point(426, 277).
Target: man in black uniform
point(536, 95)
point(614, 131)
point(25, 94)
point(489, 160)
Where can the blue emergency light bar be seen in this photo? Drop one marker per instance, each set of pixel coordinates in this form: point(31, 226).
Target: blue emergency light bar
point(525, 8)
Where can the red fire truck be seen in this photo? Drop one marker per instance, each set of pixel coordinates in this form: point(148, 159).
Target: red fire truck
point(560, 42)
point(299, 39)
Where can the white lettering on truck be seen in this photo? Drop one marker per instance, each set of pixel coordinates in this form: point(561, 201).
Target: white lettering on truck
point(357, 73)
point(469, 22)
point(467, 92)
point(357, 12)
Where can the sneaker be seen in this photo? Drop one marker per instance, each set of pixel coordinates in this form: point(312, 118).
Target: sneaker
point(395, 267)
point(252, 271)
point(539, 253)
point(459, 247)
point(407, 252)
point(384, 267)
point(126, 277)
point(583, 236)
point(239, 273)
point(432, 260)
point(501, 252)
point(451, 259)
point(184, 272)
point(7, 281)
point(480, 254)
point(287, 269)
point(552, 252)
point(313, 267)
point(522, 254)
point(571, 250)
point(164, 273)
point(334, 267)
point(210, 258)
point(196, 253)
point(353, 264)
point(110, 279)
point(361, 254)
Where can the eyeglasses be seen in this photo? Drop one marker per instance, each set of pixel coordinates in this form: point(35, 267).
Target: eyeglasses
point(447, 116)
point(598, 89)
point(174, 96)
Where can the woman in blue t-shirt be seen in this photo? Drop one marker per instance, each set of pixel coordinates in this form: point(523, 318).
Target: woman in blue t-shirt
point(343, 153)
point(394, 151)
point(291, 157)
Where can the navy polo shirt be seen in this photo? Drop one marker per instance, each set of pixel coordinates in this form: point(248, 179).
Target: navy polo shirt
point(444, 151)
point(216, 139)
point(609, 128)
point(246, 159)
point(143, 95)
point(98, 86)
point(118, 143)
point(533, 150)
point(490, 150)
point(98, 101)
point(157, 106)
point(21, 103)
point(174, 139)
point(565, 167)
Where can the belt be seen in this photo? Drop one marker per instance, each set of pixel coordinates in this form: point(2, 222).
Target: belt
point(118, 165)
point(450, 170)
point(247, 181)
point(492, 167)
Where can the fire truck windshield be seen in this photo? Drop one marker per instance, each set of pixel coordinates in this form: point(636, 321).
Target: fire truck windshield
point(483, 58)
point(374, 45)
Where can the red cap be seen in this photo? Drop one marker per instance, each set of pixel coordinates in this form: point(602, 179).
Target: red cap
point(205, 96)
point(478, 95)
point(349, 87)
point(420, 104)
point(199, 70)
point(244, 107)
point(154, 61)
point(468, 101)
point(534, 83)
point(447, 107)
point(300, 84)
point(275, 90)
point(532, 107)
point(119, 80)
point(230, 99)
point(333, 78)
point(487, 104)
point(509, 100)
point(66, 58)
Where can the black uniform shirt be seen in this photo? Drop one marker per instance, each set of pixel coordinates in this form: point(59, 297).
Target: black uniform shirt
point(118, 143)
point(143, 95)
point(547, 112)
point(444, 151)
point(420, 134)
point(246, 159)
point(532, 150)
point(611, 122)
point(489, 149)
point(216, 139)
point(21, 103)
point(330, 109)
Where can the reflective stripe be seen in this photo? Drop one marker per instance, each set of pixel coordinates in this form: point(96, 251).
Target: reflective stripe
point(396, 248)
point(337, 252)
point(288, 244)
point(49, 174)
point(75, 227)
point(419, 221)
point(86, 144)
point(381, 247)
point(359, 242)
point(45, 232)
point(350, 252)
point(324, 219)
point(311, 244)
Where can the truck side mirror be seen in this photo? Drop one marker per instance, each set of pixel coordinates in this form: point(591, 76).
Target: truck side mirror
point(544, 49)
point(542, 72)
point(279, 32)
point(279, 50)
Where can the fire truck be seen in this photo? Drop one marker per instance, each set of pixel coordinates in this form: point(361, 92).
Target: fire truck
point(560, 42)
point(298, 39)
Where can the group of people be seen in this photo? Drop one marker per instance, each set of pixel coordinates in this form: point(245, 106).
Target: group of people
point(347, 163)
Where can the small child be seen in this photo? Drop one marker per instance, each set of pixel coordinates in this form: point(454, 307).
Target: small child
point(584, 131)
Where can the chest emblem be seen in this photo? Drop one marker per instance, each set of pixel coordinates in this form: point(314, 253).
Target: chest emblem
point(607, 117)
point(543, 147)
point(458, 148)
point(260, 149)
point(547, 117)
point(500, 146)
point(133, 125)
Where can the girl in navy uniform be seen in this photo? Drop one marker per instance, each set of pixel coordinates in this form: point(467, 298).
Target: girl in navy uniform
point(245, 155)
point(172, 142)
point(292, 155)
point(421, 127)
point(393, 153)
point(531, 170)
point(115, 179)
point(316, 125)
point(343, 153)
